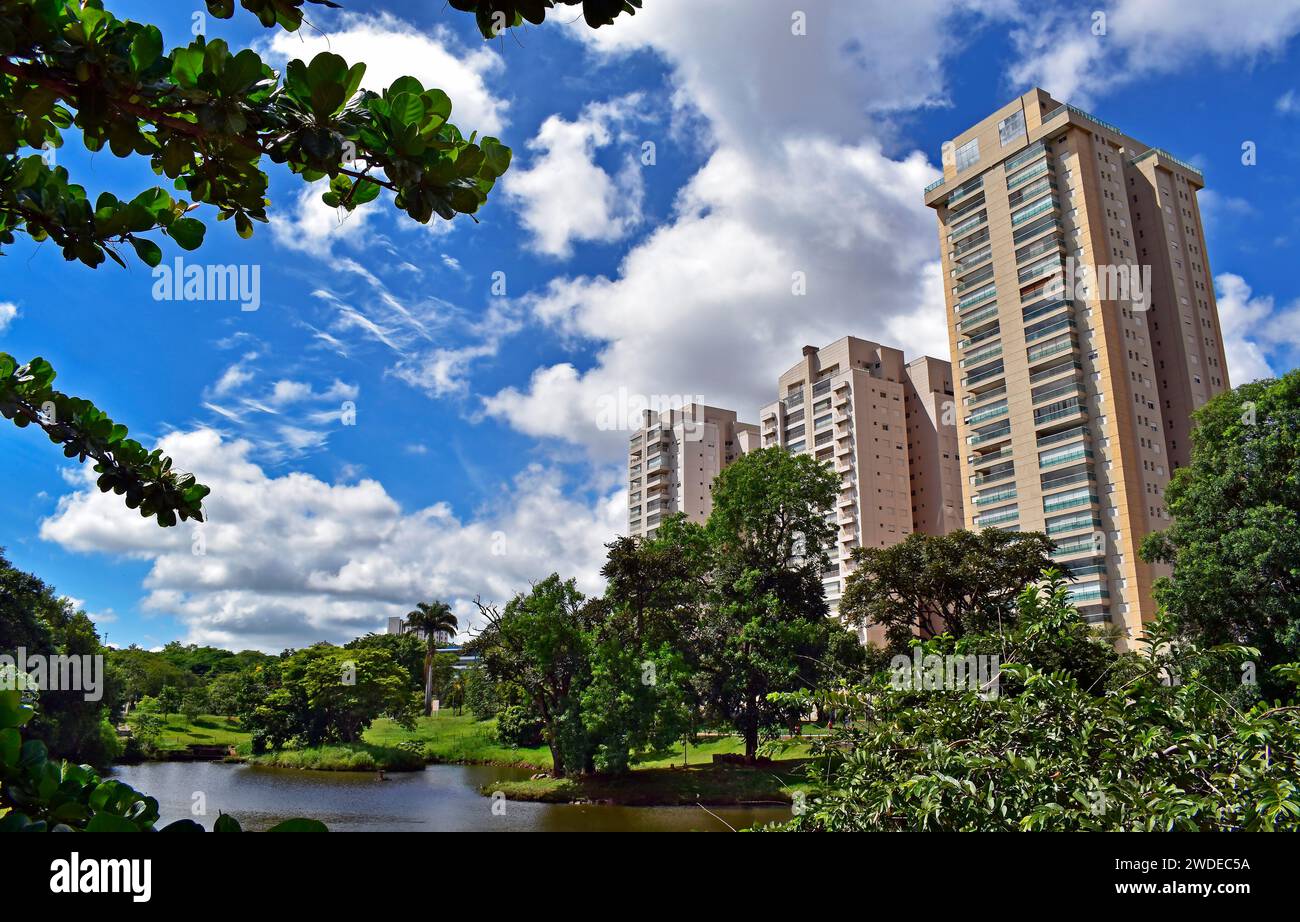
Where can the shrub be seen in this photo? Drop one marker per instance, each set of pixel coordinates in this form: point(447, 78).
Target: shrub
point(518, 726)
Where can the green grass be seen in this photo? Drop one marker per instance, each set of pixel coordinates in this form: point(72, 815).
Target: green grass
point(344, 757)
point(207, 729)
point(712, 785)
point(452, 738)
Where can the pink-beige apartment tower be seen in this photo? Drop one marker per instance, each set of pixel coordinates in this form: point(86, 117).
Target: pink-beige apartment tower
point(1084, 332)
point(886, 427)
point(673, 460)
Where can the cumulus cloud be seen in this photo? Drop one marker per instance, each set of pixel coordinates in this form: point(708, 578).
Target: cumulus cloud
point(1062, 51)
point(804, 188)
point(290, 560)
point(564, 196)
point(8, 311)
point(1253, 327)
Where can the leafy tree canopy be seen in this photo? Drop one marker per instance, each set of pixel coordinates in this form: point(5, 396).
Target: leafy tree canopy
point(959, 583)
point(1235, 538)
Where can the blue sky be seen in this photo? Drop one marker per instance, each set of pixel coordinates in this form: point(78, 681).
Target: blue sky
point(478, 461)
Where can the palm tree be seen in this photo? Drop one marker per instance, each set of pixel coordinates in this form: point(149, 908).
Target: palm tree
point(437, 623)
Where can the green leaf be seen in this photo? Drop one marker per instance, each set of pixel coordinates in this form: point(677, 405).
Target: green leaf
point(187, 232)
point(147, 250)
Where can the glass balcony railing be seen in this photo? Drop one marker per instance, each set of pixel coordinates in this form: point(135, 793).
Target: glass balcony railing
point(999, 517)
point(965, 227)
point(978, 317)
point(1052, 371)
point(1032, 211)
point(969, 244)
point(993, 435)
point(1069, 501)
point(973, 399)
point(993, 371)
point(982, 355)
point(999, 473)
point(981, 462)
point(1036, 149)
point(1084, 476)
point(1057, 458)
point(985, 415)
point(1073, 523)
point(1039, 331)
point(1024, 176)
point(1047, 350)
point(1041, 226)
point(977, 297)
point(984, 499)
point(1076, 408)
point(970, 281)
point(1065, 435)
point(1042, 308)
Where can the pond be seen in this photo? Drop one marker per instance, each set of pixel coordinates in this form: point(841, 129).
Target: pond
point(442, 798)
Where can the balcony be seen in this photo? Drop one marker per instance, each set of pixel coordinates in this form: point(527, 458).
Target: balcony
point(1049, 349)
point(982, 355)
point(1068, 480)
point(977, 297)
point(1037, 149)
point(986, 414)
point(984, 499)
point(1001, 472)
point(980, 316)
point(999, 517)
point(1069, 366)
point(1026, 175)
point(1029, 212)
point(1047, 328)
point(1067, 435)
point(1072, 408)
point(1084, 497)
point(1063, 456)
point(967, 226)
point(1074, 523)
point(1043, 308)
point(996, 370)
point(1087, 545)
point(981, 461)
point(972, 399)
point(992, 435)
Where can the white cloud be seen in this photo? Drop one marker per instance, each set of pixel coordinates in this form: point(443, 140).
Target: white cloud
point(290, 560)
point(802, 178)
point(1061, 53)
point(565, 196)
point(8, 311)
point(1288, 103)
point(1252, 327)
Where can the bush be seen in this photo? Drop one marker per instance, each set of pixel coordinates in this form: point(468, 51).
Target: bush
point(518, 726)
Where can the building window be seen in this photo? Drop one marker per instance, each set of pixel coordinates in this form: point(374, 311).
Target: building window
point(968, 153)
point(1010, 128)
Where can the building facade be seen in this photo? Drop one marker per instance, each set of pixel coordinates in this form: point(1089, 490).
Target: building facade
point(1083, 331)
point(673, 460)
point(880, 424)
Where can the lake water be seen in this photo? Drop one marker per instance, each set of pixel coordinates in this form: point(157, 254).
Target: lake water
point(442, 798)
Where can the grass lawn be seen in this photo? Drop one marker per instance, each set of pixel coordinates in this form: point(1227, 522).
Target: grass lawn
point(713, 785)
point(207, 730)
point(451, 738)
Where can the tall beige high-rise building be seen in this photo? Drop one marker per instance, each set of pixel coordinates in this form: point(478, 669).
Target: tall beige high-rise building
point(673, 459)
point(880, 423)
point(1084, 332)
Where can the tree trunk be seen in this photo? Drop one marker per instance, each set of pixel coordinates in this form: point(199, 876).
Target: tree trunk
point(428, 688)
point(751, 728)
